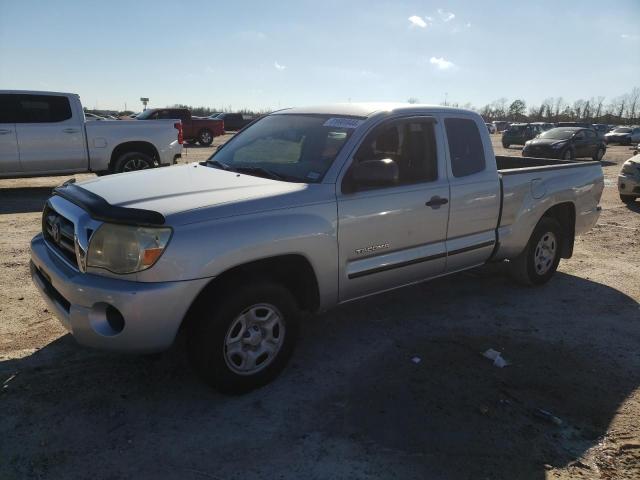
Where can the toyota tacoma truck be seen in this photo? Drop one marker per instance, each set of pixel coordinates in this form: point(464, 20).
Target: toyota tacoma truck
point(303, 210)
point(46, 133)
point(201, 130)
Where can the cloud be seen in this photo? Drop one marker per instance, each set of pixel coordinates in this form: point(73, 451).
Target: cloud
point(441, 63)
point(278, 66)
point(417, 21)
point(446, 16)
point(627, 36)
point(251, 35)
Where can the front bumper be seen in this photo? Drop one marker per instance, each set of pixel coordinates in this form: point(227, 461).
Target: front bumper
point(149, 313)
point(629, 185)
point(541, 152)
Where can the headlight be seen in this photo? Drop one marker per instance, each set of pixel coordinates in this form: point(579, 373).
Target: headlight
point(126, 249)
point(558, 145)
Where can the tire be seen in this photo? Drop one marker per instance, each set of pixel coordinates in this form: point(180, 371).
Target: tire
point(205, 137)
point(505, 145)
point(567, 154)
point(627, 198)
point(133, 161)
point(235, 315)
point(537, 264)
point(598, 155)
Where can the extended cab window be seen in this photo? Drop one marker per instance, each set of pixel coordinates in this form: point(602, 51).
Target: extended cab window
point(42, 109)
point(7, 108)
point(465, 147)
point(409, 143)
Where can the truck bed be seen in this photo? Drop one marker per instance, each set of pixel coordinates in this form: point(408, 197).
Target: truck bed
point(512, 165)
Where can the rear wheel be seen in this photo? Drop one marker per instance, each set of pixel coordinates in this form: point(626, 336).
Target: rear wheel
point(627, 198)
point(132, 161)
point(205, 137)
point(243, 339)
point(540, 258)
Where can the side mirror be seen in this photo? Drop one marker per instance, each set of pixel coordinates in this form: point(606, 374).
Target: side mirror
point(376, 173)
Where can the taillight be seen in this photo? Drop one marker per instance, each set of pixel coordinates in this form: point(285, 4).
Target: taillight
point(178, 126)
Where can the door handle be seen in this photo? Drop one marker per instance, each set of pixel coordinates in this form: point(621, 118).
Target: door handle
point(4, 131)
point(70, 130)
point(435, 202)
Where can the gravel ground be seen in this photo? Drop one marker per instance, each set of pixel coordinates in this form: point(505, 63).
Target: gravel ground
point(352, 404)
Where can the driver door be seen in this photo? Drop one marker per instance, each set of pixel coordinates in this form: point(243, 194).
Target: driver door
point(395, 234)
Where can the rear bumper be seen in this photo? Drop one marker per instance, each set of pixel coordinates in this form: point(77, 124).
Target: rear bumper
point(148, 314)
point(628, 185)
point(169, 155)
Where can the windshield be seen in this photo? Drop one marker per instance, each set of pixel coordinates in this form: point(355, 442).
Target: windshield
point(622, 130)
point(516, 128)
point(298, 148)
point(145, 115)
point(557, 134)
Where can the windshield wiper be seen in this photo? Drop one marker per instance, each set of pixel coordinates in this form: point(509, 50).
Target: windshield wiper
point(217, 164)
point(261, 171)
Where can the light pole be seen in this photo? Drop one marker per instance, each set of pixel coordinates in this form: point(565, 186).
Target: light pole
point(144, 101)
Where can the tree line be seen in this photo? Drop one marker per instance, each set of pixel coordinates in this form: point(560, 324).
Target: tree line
point(621, 110)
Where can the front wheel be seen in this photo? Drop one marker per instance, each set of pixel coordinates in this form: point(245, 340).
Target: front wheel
point(598, 155)
point(540, 258)
point(242, 340)
point(568, 154)
point(205, 137)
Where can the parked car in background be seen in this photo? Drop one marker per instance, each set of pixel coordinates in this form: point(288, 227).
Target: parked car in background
point(602, 128)
point(519, 133)
point(235, 121)
point(92, 116)
point(213, 115)
point(45, 133)
point(543, 126)
point(623, 135)
point(491, 128)
point(576, 124)
point(629, 180)
point(201, 130)
point(501, 125)
point(566, 143)
point(303, 210)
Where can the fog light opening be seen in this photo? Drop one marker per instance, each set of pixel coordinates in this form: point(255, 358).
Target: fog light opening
point(115, 319)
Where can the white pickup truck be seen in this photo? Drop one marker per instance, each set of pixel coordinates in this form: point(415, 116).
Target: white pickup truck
point(46, 133)
point(303, 210)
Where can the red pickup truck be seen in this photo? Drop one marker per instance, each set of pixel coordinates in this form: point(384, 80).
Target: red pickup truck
point(202, 130)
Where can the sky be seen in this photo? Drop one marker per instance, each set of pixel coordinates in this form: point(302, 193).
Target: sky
point(275, 54)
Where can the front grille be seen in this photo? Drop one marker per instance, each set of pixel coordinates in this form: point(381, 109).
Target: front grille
point(58, 231)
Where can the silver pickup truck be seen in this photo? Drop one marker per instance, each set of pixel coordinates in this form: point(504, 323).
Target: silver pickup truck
point(305, 209)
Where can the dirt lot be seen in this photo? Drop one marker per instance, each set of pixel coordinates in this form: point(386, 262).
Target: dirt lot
point(352, 404)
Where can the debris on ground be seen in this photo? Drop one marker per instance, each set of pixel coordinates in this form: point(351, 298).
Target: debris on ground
point(497, 358)
point(416, 360)
point(546, 415)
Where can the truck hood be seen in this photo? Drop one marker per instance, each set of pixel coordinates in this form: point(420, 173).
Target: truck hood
point(176, 190)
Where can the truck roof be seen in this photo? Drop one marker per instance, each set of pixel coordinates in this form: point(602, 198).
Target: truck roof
point(37, 92)
point(367, 109)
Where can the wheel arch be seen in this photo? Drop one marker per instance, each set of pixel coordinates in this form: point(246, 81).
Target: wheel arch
point(565, 214)
point(133, 146)
point(294, 271)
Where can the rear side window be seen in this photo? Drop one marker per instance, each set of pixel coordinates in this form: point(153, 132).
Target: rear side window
point(465, 147)
point(7, 108)
point(42, 109)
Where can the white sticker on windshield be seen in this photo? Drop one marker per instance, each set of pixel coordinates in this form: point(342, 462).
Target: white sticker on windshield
point(342, 122)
